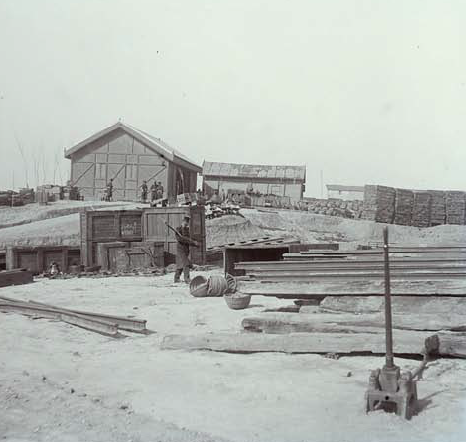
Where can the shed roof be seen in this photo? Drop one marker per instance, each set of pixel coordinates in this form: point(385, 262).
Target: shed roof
point(156, 144)
point(253, 171)
point(341, 188)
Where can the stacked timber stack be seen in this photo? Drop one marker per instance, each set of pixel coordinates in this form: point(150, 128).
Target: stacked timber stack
point(379, 203)
point(421, 209)
point(404, 201)
point(455, 202)
point(335, 316)
point(437, 207)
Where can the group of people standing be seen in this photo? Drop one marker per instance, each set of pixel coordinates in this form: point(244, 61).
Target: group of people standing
point(156, 191)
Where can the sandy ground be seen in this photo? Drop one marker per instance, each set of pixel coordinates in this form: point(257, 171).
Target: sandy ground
point(61, 383)
point(306, 227)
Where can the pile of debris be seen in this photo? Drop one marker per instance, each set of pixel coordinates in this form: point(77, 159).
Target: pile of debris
point(217, 211)
point(332, 207)
point(14, 199)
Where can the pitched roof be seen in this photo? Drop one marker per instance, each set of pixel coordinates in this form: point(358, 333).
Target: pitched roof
point(156, 144)
point(341, 188)
point(253, 171)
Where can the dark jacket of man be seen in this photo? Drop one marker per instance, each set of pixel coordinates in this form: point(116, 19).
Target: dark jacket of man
point(182, 248)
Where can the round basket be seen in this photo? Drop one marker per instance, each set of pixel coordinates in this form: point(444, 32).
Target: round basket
point(237, 301)
point(198, 286)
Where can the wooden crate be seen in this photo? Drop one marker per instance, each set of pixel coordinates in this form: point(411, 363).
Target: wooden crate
point(15, 277)
point(38, 259)
point(105, 226)
point(155, 230)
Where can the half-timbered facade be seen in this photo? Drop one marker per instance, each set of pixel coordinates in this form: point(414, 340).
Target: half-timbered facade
point(129, 156)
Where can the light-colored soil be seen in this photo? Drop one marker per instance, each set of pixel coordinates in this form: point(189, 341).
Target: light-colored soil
point(303, 226)
point(128, 389)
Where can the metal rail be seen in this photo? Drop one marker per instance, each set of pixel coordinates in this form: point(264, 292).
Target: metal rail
point(103, 327)
point(123, 323)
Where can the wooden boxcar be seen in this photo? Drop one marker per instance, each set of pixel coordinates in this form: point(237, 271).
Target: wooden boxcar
point(136, 226)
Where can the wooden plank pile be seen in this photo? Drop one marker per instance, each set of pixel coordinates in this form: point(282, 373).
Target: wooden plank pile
point(425, 264)
point(423, 322)
point(421, 209)
point(404, 201)
point(455, 202)
point(437, 207)
point(379, 204)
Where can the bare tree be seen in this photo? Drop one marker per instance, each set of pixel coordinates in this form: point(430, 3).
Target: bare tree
point(21, 150)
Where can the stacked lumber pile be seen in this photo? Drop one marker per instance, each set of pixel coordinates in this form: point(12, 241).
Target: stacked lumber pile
point(455, 202)
point(437, 207)
point(421, 209)
point(322, 267)
point(424, 323)
point(404, 201)
point(379, 204)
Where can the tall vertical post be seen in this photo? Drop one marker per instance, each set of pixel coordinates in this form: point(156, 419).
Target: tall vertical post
point(388, 304)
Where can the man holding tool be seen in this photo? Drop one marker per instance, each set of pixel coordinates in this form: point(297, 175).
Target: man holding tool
point(183, 263)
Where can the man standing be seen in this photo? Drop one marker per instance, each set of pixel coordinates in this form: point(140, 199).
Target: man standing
point(109, 191)
point(153, 192)
point(144, 191)
point(159, 190)
point(183, 264)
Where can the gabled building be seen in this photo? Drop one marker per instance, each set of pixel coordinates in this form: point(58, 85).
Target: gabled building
point(266, 180)
point(129, 156)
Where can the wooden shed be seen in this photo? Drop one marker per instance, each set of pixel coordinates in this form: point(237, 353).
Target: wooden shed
point(129, 156)
point(282, 181)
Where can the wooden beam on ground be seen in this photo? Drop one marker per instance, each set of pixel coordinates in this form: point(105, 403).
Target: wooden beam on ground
point(321, 289)
point(407, 305)
point(405, 343)
point(350, 323)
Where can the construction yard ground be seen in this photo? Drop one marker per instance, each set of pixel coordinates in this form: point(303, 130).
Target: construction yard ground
point(63, 383)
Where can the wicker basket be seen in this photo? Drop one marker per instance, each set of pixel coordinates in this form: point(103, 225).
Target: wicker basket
point(198, 287)
point(237, 301)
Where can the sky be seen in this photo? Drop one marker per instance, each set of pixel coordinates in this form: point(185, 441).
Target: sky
point(359, 91)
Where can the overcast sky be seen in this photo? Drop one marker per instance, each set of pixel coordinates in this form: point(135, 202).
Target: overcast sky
point(367, 91)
